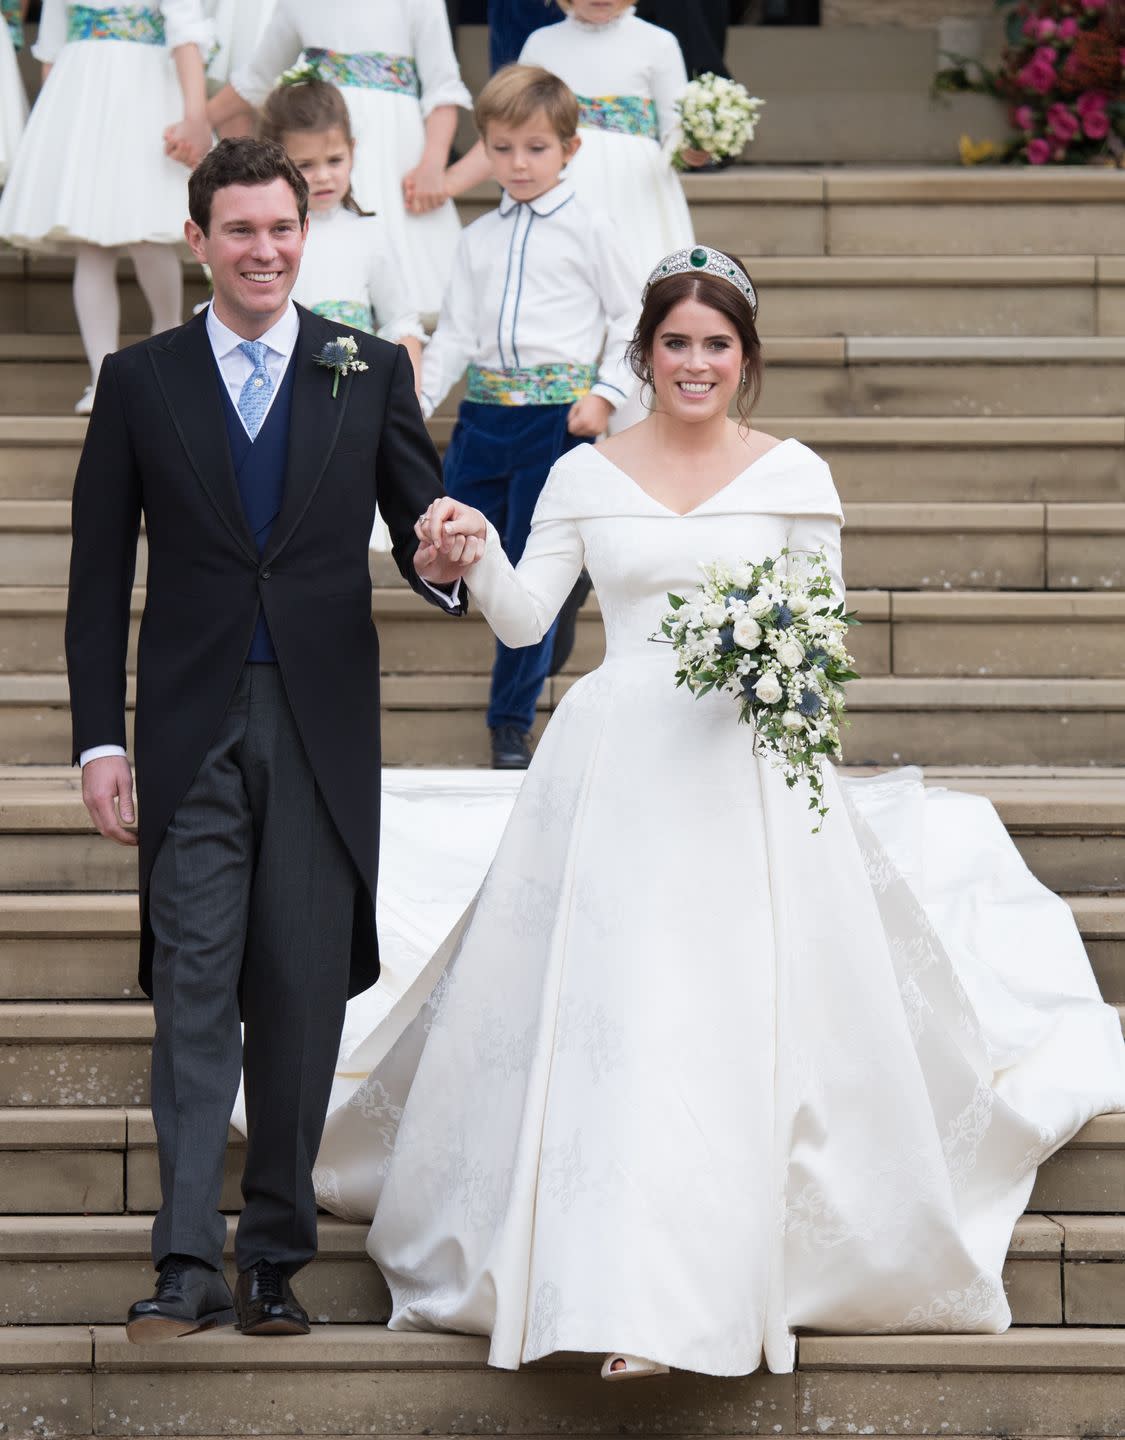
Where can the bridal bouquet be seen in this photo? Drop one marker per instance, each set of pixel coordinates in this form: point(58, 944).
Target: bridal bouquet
point(718, 116)
point(770, 636)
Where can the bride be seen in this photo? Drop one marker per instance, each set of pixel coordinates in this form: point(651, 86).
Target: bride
point(688, 1078)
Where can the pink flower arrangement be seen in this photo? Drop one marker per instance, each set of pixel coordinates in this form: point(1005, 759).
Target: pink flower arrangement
point(1063, 76)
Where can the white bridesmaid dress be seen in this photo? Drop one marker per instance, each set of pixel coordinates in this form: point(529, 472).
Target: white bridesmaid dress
point(628, 76)
point(399, 54)
point(239, 25)
point(687, 1078)
point(91, 166)
point(13, 101)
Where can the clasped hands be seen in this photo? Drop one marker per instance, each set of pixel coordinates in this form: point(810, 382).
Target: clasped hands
point(451, 539)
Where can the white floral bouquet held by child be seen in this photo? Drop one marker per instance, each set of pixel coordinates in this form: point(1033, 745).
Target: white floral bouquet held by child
point(718, 116)
point(771, 636)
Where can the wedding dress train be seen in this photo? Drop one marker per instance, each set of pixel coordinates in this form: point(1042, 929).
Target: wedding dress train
point(687, 1078)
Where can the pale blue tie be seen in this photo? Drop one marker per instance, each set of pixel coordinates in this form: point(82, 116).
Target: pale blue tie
point(254, 399)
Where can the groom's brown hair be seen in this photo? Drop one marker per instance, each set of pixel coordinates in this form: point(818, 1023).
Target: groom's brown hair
point(242, 161)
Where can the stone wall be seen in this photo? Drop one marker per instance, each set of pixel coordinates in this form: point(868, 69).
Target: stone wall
point(917, 14)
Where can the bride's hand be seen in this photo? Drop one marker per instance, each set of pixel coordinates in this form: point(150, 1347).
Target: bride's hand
point(451, 539)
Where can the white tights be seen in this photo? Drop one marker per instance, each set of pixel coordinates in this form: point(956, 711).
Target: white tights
point(98, 303)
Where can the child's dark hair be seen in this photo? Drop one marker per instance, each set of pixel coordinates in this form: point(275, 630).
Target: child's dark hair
point(308, 105)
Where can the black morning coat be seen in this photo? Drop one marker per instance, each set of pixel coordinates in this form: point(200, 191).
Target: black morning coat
point(157, 446)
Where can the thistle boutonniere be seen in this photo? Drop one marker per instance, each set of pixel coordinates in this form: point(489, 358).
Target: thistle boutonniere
point(339, 355)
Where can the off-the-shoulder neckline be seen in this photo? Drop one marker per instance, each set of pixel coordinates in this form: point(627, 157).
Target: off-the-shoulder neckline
point(695, 509)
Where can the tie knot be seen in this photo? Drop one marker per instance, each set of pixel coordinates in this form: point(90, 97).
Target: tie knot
point(255, 352)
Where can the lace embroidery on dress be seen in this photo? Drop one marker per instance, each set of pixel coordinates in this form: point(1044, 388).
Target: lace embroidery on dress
point(962, 1140)
point(958, 1311)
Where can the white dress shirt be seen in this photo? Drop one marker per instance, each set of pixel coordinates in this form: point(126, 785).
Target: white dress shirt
point(539, 282)
point(236, 368)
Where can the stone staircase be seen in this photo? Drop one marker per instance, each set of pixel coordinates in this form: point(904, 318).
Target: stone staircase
point(954, 344)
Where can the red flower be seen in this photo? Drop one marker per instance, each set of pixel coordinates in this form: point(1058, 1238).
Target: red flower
point(1096, 125)
point(1024, 117)
point(1038, 152)
point(1062, 123)
point(1091, 102)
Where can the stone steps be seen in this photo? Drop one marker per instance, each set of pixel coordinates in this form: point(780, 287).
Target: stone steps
point(86, 1269)
point(1068, 824)
point(1029, 545)
point(438, 719)
point(813, 375)
point(78, 1381)
point(1012, 634)
point(1047, 458)
point(59, 1160)
point(83, 946)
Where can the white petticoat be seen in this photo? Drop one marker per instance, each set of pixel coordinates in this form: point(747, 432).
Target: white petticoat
point(91, 167)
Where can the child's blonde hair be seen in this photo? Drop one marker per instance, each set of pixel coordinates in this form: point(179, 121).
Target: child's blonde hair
point(517, 93)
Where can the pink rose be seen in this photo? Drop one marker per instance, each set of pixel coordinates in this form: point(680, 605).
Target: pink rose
point(1038, 77)
point(1024, 117)
point(1068, 29)
point(1091, 102)
point(1031, 27)
point(1046, 28)
point(1045, 55)
point(1062, 123)
point(1096, 125)
point(1038, 152)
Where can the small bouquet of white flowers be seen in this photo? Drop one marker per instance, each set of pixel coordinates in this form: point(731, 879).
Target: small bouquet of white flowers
point(718, 116)
point(771, 636)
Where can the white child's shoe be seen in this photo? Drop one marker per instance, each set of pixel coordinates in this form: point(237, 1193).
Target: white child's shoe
point(85, 406)
point(630, 1367)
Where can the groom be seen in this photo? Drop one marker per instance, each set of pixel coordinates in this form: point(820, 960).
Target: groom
point(257, 468)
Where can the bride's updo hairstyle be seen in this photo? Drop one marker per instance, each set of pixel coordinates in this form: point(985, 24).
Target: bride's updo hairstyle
point(728, 296)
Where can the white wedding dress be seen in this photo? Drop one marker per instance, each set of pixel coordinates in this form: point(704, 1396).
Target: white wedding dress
point(686, 1077)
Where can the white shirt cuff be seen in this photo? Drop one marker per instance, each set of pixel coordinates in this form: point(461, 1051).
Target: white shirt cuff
point(97, 752)
point(452, 598)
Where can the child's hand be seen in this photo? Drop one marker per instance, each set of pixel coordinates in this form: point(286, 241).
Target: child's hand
point(188, 141)
point(589, 416)
point(423, 189)
point(694, 159)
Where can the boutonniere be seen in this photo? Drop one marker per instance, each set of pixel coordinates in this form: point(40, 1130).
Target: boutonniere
point(339, 355)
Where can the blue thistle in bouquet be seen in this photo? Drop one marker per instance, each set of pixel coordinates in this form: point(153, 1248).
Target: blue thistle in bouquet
point(773, 636)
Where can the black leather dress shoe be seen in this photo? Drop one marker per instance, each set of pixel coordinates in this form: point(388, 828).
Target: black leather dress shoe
point(266, 1304)
point(511, 748)
point(189, 1296)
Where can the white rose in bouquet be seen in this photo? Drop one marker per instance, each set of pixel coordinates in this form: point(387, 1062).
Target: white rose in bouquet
point(768, 689)
point(792, 721)
point(758, 605)
point(747, 633)
point(713, 614)
point(790, 654)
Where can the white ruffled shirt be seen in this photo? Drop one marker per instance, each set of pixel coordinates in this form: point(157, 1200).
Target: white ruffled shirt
point(351, 258)
point(625, 56)
point(536, 283)
point(185, 23)
point(415, 28)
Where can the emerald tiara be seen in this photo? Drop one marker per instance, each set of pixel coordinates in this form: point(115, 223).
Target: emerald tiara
point(702, 260)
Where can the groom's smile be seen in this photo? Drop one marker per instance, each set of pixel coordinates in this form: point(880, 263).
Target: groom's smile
point(253, 247)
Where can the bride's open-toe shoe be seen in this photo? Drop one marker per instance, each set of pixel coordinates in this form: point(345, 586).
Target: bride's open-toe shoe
point(630, 1367)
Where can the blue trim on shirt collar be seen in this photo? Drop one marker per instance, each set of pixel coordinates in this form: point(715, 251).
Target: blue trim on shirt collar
point(543, 205)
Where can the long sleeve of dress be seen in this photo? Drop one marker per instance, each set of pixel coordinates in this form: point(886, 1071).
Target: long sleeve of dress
point(521, 604)
point(454, 342)
point(669, 80)
point(276, 51)
point(821, 532)
point(435, 58)
point(186, 23)
point(52, 32)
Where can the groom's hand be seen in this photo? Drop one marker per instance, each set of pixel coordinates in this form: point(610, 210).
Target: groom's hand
point(451, 540)
point(107, 793)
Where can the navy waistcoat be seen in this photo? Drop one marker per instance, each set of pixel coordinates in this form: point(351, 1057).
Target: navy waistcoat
point(259, 468)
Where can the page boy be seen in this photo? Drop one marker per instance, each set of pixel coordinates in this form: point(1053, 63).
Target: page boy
point(539, 291)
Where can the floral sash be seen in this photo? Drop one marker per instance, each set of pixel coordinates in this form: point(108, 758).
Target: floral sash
point(10, 11)
point(620, 114)
point(560, 384)
point(348, 312)
point(367, 70)
point(126, 22)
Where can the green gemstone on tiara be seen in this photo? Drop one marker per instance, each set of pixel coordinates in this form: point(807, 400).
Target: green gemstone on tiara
point(698, 257)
